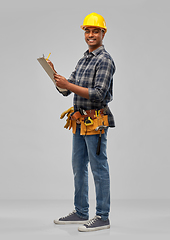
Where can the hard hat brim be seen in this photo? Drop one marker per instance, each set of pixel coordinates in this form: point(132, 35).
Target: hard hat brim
point(84, 26)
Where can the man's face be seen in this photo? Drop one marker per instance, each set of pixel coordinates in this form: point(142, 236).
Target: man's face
point(94, 37)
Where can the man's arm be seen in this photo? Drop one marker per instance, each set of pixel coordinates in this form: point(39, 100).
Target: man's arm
point(103, 80)
point(63, 83)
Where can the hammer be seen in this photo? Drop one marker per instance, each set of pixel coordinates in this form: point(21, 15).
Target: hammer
point(99, 141)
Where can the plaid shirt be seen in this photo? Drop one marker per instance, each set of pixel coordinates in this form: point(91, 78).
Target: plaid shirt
point(94, 71)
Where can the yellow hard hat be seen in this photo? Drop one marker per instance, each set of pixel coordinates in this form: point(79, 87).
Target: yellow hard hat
point(94, 20)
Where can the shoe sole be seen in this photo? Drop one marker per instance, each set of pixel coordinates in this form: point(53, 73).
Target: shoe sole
point(69, 222)
point(84, 229)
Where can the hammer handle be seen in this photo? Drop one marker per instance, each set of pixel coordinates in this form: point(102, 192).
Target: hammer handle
point(98, 145)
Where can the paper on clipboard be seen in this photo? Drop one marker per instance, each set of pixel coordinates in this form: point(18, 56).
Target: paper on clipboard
point(49, 71)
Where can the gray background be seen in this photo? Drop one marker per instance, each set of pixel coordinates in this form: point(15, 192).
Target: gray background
point(35, 155)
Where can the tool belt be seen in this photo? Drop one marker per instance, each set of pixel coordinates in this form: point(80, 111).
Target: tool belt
point(89, 121)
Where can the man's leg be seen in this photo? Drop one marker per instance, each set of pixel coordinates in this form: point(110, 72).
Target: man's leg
point(80, 170)
point(100, 170)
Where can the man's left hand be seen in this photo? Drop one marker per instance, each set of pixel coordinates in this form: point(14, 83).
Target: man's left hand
point(61, 81)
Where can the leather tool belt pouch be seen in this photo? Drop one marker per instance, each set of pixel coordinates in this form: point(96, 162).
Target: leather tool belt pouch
point(98, 120)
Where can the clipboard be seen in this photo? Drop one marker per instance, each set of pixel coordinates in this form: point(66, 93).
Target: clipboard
point(49, 71)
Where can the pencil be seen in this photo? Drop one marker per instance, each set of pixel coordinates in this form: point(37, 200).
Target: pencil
point(48, 56)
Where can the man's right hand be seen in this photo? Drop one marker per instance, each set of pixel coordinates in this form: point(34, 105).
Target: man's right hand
point(51, 65)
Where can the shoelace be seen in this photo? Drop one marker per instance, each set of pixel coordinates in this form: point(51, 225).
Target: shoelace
point(93, 220)
point(69, 214)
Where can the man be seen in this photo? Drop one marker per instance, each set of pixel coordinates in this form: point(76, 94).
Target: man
point(91, 83)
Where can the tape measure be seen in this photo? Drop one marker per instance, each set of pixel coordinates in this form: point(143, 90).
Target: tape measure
point(88, 121)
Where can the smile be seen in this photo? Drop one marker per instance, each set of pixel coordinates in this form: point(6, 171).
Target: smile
point(91, 40)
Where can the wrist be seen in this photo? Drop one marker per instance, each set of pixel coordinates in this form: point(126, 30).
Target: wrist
point(68, 85)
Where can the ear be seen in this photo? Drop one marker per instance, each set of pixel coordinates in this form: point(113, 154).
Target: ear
point(103, 34)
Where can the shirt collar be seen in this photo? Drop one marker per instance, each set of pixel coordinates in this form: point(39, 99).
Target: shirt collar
point(95, 52)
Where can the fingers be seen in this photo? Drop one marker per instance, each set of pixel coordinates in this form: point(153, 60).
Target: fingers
point(60, 81)
point(57, 77)
point(51, 65)
point(49, 62)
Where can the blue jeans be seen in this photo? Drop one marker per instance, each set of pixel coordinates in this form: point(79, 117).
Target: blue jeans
point(84, 151)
